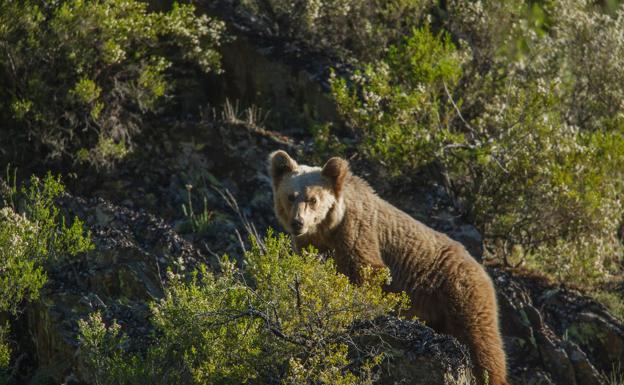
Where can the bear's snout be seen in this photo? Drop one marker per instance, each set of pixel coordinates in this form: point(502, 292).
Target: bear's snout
point(297, 225)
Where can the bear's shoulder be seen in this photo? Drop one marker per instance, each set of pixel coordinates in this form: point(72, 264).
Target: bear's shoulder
point(358, 187)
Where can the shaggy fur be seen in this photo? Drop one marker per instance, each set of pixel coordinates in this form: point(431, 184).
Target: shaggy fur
point(337, 211)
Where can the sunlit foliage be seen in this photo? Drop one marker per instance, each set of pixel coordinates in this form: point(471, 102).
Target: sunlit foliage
point(284, 318)
point(523, 128)
point(76, 76)
point(32, 234)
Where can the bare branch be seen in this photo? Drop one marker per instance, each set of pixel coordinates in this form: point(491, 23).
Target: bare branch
point(450, 97)
point(249, 227)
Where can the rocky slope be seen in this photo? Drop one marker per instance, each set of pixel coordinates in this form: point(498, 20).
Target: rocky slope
point(553, 335)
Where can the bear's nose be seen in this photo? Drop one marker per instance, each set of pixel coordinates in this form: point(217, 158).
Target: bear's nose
point(297, 225)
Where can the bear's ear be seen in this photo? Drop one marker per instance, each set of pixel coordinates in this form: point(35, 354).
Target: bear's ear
point(336, 170)
point(279, 164)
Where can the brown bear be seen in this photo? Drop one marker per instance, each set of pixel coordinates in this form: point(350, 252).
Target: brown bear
point(336, 211)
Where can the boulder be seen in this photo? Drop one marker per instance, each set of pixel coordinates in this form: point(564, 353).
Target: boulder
point(555, 335)
point(418, 355)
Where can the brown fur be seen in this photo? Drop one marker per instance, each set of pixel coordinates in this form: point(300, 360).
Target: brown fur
point(340, 212)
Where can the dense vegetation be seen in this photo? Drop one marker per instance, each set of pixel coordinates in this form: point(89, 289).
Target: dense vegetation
point(350, 30)
point(33, 234)
point(78, 76)
point(514, 107)
point(286, 318)
point(526, 131)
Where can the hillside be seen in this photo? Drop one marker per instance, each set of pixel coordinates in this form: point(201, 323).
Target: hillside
point(481, 120)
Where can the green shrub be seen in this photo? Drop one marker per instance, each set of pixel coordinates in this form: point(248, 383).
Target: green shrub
point(395, 104)
point(572, 44)
point(33, 236)
point(286, 318)
point(29, 239)
point(78, 74)
point(5, 355)
point(538, 181)
point(102, 351)
point(349, 29)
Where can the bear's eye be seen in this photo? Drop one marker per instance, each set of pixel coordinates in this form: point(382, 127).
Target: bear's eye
point(313, 201)
point(291, 197)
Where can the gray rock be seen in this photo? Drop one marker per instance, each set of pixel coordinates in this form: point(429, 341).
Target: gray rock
point(539, 323)
point(418, 355)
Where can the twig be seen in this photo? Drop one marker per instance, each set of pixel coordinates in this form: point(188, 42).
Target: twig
point(240, 240)
point(208, 249)
point(448, 94)
point(252, 312)
point(297, 290)
point(248, 226)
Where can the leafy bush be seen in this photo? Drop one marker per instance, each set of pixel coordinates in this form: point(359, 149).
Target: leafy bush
point(572, 44)
point(5, 354)
point(286, 318)
point(78, 74)
point(32, 236)
point(28, 240)
point(349, 29)
point(542, 180)
point(395, 104)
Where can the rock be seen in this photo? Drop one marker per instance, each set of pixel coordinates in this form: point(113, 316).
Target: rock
point(102, 216)
point(584, 371)
point(418, 355)
point(290, 91)
point(586, 323)
point(554, 334)
point(555, 359)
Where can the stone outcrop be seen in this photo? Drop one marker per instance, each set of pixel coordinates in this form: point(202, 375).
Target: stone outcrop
point(555, 335)
point(419, 356)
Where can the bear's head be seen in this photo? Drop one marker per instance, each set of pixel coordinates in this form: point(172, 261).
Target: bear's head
point(307, 198)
